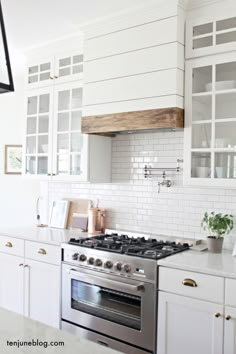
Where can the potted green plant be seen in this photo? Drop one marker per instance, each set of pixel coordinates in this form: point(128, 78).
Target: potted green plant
point(217, 225)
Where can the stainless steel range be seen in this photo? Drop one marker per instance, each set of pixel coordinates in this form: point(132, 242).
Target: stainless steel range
point(109, 289)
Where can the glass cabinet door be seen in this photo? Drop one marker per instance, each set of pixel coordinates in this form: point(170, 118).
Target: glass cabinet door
point(69, 144)
point(37, 144)
point(68, 67)
point(213, 119)
point(40, 73)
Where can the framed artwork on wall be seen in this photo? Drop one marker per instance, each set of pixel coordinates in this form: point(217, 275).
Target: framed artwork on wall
point(13, 159)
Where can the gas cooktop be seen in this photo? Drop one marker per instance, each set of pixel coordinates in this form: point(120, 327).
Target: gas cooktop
point(132, 246)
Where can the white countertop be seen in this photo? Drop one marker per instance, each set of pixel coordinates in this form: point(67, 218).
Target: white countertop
point(203, 262)
point(14, 327)
point(42, 234)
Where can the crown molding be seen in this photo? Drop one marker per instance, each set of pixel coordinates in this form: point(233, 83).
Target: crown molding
point(195, 4)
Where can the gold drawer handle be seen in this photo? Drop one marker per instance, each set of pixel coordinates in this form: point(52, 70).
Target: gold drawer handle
point(9, 244)
point(228, 318)
point(189, 282)
point(42, 251)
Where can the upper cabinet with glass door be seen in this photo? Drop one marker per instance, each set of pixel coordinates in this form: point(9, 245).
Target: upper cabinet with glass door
point(55, 69)
point(212, 35)
point(210, 138)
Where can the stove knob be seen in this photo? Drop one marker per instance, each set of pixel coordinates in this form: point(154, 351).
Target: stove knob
point(119, 266)
point(91, 260)
point(98, 262)
point(108, 264)
point(75, 256)
point(127, 268)
point(82, 258)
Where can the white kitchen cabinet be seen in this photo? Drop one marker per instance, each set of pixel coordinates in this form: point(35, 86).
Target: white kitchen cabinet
point(212, 34)
point(210, 121)
point(187, 325)
point(42, 292)
point(12, 283)
point(54, 145)
point(30, 280)
point(230, 330)
point(54, 69)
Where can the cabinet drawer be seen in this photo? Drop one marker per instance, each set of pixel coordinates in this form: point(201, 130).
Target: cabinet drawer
point(12, 245)
point(230, 292)
point(196, 285)
point(43, 252)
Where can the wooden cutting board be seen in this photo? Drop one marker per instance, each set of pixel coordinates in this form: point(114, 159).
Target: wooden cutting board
point(79, 206)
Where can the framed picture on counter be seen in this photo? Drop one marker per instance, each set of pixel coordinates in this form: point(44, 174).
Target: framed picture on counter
point(59, 213)
point(13, 159)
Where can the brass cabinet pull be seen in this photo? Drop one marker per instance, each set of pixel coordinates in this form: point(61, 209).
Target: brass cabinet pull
point(189, 282)
point(51, 77)
point(8, 244)
point(228, 318)
point(217, 314)
point(42, 251)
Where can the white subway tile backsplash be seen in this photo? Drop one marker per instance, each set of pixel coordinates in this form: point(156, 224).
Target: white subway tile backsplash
point(133, 203)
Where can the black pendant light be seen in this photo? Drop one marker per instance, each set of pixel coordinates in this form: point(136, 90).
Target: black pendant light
point(6, 81)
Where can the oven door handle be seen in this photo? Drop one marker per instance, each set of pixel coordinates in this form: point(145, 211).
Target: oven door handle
point(107, 282)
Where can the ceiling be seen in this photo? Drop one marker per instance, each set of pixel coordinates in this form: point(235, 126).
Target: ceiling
point(32, 22)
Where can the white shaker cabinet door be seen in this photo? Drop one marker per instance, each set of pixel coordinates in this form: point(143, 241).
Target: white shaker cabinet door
point(11, 283)
point(42, 292)
point(230, 330)
point(189, 326)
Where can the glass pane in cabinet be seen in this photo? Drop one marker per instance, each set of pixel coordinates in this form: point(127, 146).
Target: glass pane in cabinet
point(225, 165)
point(78, 58)
point(64, 61)
point(226, 24)
point(203, 42)
point(75, 161)
point(33, 69)
point(201, 136)
point(62, 164)
point(226, 37)
point(76, 98)
point(42, 165)
point(32, 79)
point(225, 136)
point(202, 79)
point(225, 106)
point(43, 144)
point(30, 165)
point(63, 122)
point(44, 103)
point(201, 165)
point(64, 72)
point(31, 125)
point(63, 100)
point(76, 120)
point(31, 145)
point(202, 29)
point(202, 108)
point(45, 67)
point(76, 142)
point(43, 124)
point(32, 105)
point(44, 76)
point(77, 69)
point(62, 143)
point(226, 76)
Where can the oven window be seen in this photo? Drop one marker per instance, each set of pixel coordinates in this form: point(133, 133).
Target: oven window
point(105, 303)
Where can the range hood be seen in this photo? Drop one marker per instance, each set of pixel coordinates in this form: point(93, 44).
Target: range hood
point(108, 124)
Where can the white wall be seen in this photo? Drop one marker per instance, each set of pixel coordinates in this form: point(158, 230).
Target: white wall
point(17, 196)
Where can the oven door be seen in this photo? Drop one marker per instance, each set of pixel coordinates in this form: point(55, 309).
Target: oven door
point(122, 308)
